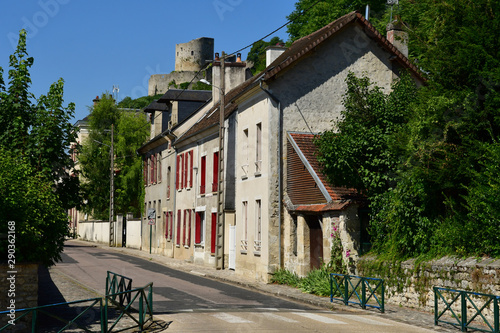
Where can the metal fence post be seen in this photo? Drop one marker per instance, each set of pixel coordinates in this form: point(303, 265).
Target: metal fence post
point(382, 306)
point(496, 315)
point(141, 310)
point(363, 293)
point(346, 291)
point(33, 321)
point(331, 287)
point(435, 306)
point(464, 311)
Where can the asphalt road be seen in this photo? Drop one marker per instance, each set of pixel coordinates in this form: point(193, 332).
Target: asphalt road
point(191, 303)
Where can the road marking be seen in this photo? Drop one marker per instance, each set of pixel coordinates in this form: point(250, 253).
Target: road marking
point(364, 320)
point(319, 318)
point(231, 319)
point(267, 309)
point(277, 317)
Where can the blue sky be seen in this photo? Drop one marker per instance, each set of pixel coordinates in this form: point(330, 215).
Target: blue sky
point(94, 45)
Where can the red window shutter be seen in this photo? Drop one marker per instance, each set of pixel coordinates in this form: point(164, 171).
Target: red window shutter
point(177, 173)
point(170, 224)
point(190, 221)
point(191, 169)
point(151, 170)
point(184, 229)
point(203, 174)
point(197, 229)
point(178, 242)
point(216, 172)
point(214, 233)
point(158, 161)
point(186, 160)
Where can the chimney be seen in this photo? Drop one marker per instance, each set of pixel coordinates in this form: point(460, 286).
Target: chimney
point(397, 36)
point(235, 75)
point(96, 100)
point(273, 52)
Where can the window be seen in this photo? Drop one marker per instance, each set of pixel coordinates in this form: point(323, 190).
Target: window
point(258, 149)
point(177, 172)
point(258, 224)
point(153, 168)
point(185, 171)
point(145, 171)
point(168, 182)
point(216, 172)
point(203, 174)
point(244, 166)
point(178, 238)
point(213, 238)
point(158, 168)
point(159, 209)
point(244, 216)
point(169, 224)
point(191, 169)
point(145, 210)
point(199, 227)
point(184, 227)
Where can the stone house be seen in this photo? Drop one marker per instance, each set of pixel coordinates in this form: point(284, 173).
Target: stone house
point(278, 209)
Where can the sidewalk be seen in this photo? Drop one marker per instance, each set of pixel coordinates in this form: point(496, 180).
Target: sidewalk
point(405, 315)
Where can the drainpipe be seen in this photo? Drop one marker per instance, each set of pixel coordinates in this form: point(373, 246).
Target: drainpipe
point(280, 154)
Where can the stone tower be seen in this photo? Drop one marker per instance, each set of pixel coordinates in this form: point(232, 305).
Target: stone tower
point(191, 56)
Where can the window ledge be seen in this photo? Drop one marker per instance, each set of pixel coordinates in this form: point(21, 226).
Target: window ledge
point(243, 252)
point(256, 253)
point(257, 174)
point(244, 177)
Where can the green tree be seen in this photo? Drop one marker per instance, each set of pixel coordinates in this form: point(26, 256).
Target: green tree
point(130, 131)
point(35, 182)
point(257, 53)
point(31, 210)
point(311, 15)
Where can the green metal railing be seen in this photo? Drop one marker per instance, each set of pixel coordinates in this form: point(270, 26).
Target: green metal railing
point(464, 301)
point(364, 289)
point(116, 285)
point(47, 311)
point(136, 304)
point(144, 296)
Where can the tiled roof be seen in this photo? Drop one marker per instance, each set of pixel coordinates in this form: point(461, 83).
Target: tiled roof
point(308, 149)
point(296, 52)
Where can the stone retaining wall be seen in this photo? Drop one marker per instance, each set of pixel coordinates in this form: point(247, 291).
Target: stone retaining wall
point(19, 291)
point(410, 284)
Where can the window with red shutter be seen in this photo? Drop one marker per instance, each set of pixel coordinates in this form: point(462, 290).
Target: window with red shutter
point(184, 228)
point(197, 227)
point(190, 222)
point(159, 167)
point(214, 233)
point(165, 218)
point(203, 174)
point(191, 169)
point(216, 172)
point(186, 161)
point(145, 172)
point(177, 173)
point(178, 240)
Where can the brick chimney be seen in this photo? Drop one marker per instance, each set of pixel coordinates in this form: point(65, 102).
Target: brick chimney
point(397, 36)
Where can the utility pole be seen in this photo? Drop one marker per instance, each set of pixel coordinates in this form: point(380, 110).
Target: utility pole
point(111, 193)
point(219, 251)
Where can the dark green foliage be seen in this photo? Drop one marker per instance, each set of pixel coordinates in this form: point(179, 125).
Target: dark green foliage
point(130, 131)
point(257, 53)
point(138, 103)
point(201, 86)
point(36, 186)
point(283, 276)
point(28, 202)
point(309, 17)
